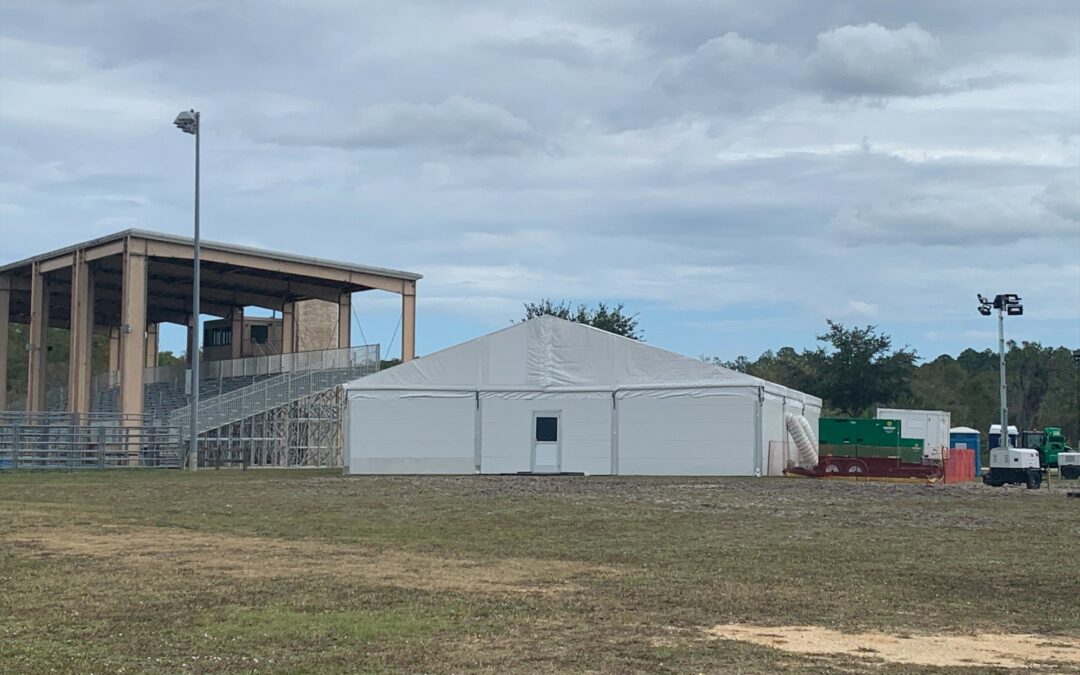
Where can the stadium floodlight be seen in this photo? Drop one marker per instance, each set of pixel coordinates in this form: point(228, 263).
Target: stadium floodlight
point(1007, 303)
point(188, 121)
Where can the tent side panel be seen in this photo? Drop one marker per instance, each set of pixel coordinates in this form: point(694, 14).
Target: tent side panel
point(586, 436)
point(507, 432)
point(411, 435)
point(774, 445)
point(687, 435)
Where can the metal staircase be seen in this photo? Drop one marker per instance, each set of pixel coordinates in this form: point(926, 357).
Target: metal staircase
point(262, 396)
point(277, 391)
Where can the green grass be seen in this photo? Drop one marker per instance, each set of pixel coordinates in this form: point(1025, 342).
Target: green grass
point(652, 562)
point(266, 624)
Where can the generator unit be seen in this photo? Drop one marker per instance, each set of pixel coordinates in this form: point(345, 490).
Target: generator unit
point(1069, 465)
point(1019, 466)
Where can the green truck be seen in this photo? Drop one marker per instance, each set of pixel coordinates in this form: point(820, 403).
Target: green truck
point(1050, 442)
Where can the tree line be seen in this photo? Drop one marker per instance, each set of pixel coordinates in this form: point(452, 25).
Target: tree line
point(855, 370)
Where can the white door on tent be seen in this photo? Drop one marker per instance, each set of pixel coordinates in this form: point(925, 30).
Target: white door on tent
point(547, 442)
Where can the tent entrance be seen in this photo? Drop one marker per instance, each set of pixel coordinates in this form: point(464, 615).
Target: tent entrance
point(547, 442)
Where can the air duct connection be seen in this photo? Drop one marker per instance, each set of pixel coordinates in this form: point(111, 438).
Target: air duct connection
point(803, 434)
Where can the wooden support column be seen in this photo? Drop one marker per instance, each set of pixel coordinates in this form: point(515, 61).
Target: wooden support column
point(153, 335)
point(80, 349)
point(344, 331)
point(39, 330)
point(288, 328)
point(5, 308)
point(132, 334)
point(114, 352)
point(408, 321)
point(237, 317)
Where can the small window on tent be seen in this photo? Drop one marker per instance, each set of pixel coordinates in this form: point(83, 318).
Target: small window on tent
point(547, 429)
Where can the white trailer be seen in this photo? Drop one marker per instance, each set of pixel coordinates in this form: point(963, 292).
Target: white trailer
point(929, 426)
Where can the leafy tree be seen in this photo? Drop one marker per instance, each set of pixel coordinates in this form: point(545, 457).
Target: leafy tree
point(170, 359)
point(57, 346)
point(859, 369)
point(612, 319)
point(856, 370)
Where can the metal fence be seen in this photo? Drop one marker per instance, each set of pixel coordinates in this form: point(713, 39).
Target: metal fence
point(66, 441)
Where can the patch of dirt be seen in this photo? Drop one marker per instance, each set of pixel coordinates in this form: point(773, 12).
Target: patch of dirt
point(1003, 650)
point(263, 558)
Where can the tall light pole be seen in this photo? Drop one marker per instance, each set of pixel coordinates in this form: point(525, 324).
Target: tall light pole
point(1076, 361)
point(188, 122)
point(1005, 304)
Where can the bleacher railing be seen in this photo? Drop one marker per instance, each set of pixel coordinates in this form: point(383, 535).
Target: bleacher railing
point(316, 372)
point(86, 441)
point(251, 366)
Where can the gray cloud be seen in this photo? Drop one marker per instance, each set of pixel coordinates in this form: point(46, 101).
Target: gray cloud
point(457, 124)
point(730, 72)
point(1062, 199)
point(871, 60)
point(868, 62)
point(702, 161)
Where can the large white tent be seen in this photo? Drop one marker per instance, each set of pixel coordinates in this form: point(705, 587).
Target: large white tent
point(552, 396)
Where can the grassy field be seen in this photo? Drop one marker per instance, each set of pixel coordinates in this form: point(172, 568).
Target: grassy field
point(265, 571)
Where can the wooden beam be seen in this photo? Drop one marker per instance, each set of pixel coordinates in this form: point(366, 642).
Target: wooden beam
point(104, 251)
point(133, 335)
point(408, 323)
point(236, 280)
point(39, 328)
point(59, 262)
point(312, 270)
point(81, 329)
point(344, 330)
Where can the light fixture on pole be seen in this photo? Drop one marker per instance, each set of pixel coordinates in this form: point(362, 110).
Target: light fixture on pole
point(1009, 304)
point(188, 122)
point(1076, 360)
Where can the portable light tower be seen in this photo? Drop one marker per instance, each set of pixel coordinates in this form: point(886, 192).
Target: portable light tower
point(1009, 304)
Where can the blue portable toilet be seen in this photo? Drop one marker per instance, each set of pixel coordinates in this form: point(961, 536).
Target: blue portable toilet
point(995, 436)
point(967, 438)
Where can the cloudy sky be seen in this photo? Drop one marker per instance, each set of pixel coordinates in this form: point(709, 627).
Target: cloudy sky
point(734, 171)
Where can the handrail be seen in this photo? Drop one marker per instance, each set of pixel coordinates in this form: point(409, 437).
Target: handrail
point(270, 393)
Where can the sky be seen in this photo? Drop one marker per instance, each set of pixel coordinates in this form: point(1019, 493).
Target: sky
point(734, 172)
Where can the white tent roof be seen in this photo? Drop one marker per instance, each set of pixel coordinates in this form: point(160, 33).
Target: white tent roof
point(551, 354)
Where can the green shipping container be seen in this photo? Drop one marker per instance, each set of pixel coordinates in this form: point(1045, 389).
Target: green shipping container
point(859, 431)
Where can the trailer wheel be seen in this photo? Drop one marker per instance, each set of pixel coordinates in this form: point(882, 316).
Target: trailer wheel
point(1034, 480)
point(1070, 472)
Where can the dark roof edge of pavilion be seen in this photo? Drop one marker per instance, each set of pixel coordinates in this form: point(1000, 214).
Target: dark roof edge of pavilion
point(217, 246)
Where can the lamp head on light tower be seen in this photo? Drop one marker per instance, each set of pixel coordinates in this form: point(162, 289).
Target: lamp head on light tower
point(187, 121)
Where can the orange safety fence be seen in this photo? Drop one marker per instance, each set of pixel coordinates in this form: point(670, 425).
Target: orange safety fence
point(959, 465)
